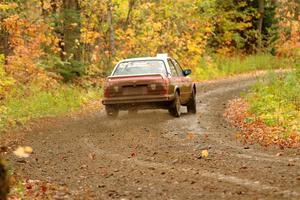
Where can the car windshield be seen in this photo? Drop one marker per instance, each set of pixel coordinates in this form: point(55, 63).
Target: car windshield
point(141, 67)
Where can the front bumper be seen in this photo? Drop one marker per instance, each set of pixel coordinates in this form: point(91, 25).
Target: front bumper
point(137, 99)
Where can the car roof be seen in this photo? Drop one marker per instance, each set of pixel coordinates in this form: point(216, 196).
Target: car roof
point(145, 58)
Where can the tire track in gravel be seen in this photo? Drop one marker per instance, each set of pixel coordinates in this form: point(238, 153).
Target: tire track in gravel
point(254, 185)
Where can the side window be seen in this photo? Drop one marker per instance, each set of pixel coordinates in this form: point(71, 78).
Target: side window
point(178, 68)
point(172, 68)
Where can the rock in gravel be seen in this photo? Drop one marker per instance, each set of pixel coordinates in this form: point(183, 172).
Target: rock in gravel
point(92, 156)
point(175, 161)
point(279, 154)
point(244, 167)
point(101, 186)
point(150, 159)
point(61, 196)
point(193, 182)
point(83, 166)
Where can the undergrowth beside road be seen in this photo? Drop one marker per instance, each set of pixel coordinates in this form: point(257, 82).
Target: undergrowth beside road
point(23, 104)
point(276, 100)
point(218, 66)
point(270, 113)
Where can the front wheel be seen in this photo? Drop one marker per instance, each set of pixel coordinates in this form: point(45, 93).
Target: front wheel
point(192, 105)
point(175, 107)
point(112, 111)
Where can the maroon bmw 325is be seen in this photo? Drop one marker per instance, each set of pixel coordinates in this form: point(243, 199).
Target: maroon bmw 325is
point(149, 83)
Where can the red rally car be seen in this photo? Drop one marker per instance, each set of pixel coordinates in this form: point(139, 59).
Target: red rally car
point(147, 83)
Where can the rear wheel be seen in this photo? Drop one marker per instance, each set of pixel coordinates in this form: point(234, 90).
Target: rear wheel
point(175, 107)
point(112, 111)
point(192, 105)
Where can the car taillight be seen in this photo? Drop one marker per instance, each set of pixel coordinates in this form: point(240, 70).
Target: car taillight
point(106, 89)
point(164, 90)
point(106, 92)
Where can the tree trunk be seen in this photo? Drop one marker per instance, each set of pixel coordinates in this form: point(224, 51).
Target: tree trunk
point(54, 5)
point(71, 30)
point(4, 42)
point(131, 4)
point(261, 11)
point(111, 32)
point(44, 12)
point(297, 11)
point(4, 45)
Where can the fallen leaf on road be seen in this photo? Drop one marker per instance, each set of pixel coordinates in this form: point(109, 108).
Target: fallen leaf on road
point(23, 152)
point(205, 135)
point(133, 154)
point(204, 153)
point(190, 136)
point(28, 149)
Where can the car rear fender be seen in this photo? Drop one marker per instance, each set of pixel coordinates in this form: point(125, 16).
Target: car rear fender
point(176, 89)
point(194, 88)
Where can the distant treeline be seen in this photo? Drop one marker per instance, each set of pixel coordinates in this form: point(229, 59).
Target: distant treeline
point(69, 38)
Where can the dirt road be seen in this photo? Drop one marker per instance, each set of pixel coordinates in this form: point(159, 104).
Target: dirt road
point(155, 156)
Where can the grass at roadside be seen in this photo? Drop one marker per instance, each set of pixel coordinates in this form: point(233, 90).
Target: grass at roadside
point(217, 66)
point(276, 101)
point(23, 104)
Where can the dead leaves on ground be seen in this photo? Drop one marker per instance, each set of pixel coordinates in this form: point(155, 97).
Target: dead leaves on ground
point(38, 190)
point(255, 130)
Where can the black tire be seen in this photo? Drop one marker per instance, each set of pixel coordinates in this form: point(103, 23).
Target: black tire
point(174, 109)
point(112, 111)
point(192, 104)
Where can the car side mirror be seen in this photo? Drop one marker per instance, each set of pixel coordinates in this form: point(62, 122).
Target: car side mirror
point(187, 72)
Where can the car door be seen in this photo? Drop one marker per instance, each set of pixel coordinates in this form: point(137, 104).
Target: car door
point(186, 82)
point(175, 79)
